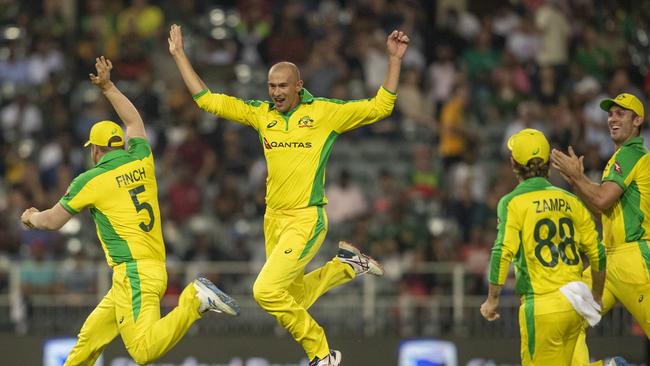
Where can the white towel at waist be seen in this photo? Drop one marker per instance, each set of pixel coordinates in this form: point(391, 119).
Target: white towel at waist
point(580, 297)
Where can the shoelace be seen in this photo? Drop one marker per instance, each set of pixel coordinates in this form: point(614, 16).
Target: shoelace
point(362, 262)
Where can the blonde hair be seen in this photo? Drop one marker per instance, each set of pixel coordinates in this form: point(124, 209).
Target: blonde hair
point(536, 167)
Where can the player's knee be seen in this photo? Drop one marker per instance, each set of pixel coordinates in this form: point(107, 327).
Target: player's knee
point(140, 354)
point(264, 295)
point(141, 358)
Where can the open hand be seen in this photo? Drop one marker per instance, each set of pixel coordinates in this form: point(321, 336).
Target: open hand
point(397, 43)
point(175, 40)
point(571, 166)
point(103, 77)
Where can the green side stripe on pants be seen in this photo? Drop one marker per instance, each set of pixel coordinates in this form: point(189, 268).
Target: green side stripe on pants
point(320, 226)
point(134, 280)
point(645, 253)
point(529, 311)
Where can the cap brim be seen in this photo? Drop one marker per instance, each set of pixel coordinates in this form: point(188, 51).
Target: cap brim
point(87, 144)
point(607, 104)
point(510, 142)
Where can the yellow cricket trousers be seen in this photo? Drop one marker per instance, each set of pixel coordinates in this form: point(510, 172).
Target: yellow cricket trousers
point(549, 329)
point(627, 281)
point(131, 308)
point(282, 289)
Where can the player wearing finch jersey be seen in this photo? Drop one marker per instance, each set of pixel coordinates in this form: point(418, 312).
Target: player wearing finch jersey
point(622, 200)
point(122, 196)
point(297, 132)
point(543, 229)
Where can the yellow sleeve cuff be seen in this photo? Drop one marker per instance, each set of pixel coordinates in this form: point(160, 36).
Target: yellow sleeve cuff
point(388, 91)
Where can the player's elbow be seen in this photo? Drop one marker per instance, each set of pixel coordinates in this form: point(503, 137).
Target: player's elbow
point(602, 204)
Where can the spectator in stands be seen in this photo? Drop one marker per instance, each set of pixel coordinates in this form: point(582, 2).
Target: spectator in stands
point(442, 75)
point(454, 135)
point(45, 60)
point(593, 58)
point(141, 19)
point(555, 33)
point(414, 105)
point(20, 118)
point(346, 200)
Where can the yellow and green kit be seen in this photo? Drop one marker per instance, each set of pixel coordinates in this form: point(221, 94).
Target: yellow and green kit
point(543, 229)
point(122, 196)
point(297, 146)
point(626, 231)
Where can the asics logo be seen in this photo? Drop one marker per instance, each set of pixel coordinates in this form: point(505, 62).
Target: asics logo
point(272, 123)
point(288, 251)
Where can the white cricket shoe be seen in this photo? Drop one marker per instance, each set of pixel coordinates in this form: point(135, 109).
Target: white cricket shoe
point(360, 262)
point(333, 359)
point(213, 299)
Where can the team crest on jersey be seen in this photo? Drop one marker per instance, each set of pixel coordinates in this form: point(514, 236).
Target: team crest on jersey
point(617, 168)
point(306, 121)
point(271, 124)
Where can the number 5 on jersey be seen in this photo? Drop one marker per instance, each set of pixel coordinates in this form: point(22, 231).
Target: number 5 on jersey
point(142, 206)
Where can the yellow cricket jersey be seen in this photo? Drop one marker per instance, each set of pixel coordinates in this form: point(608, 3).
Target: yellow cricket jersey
point(543, 228)
point(122, 195)
point(628, 220)
point(298, 144)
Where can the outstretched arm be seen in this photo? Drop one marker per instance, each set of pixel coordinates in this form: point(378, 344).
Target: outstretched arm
point(597, 197)
point(396, 46)
point(192, 80)
point(52, 219)
point(122, 105)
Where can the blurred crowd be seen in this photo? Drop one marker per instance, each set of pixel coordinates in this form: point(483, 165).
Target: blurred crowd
point(421, 186)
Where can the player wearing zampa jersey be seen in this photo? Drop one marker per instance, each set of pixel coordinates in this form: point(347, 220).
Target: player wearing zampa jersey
point(543, 229)
point(297, 132)
point(622, 199)
point(122, 195)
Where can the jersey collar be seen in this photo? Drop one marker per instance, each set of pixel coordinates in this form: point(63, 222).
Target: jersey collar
point(536, 182)
point(305, 97)
point(637, 140)
point(111, 155)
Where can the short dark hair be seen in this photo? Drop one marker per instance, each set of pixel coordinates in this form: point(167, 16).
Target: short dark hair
point(536, 167)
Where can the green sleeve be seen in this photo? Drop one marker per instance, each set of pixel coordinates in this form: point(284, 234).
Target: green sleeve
point(622, 165)
point(139, 147)
point(506, 244)
point(79, 194)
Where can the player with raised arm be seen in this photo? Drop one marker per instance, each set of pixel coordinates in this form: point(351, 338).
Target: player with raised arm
point(297, 132)
point(543, 229)
point(122, 195)
point(622, 199)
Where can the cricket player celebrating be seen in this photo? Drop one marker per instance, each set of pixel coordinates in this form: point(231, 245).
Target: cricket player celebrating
point(122, 195)
point(297, 132)
point(543, 229)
